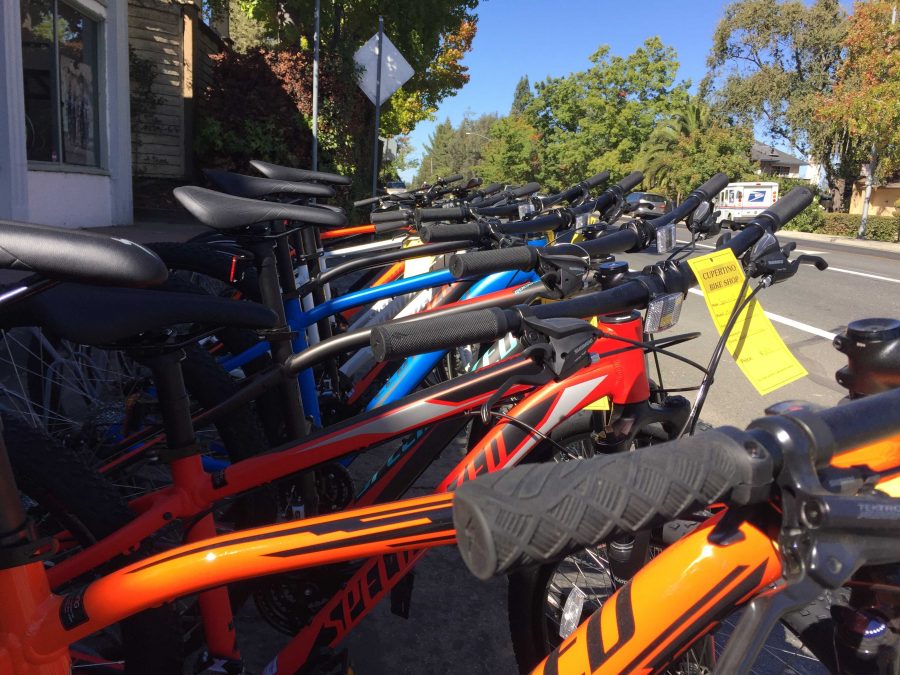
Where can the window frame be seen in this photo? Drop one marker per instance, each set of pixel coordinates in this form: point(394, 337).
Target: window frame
point(95, 12)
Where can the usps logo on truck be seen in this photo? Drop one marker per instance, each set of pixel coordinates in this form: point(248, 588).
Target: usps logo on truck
point(756, 196)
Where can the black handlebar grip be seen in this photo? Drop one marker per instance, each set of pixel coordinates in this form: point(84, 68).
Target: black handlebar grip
point(394, 341)
point(632, 295)
point(619, 241)
point(450, 179)
point(391, 226)
point(472, 184)
point(491, 189)
point(785, 208)
point(451, 232)
point(545, 223)
point(631, 181)
point(523, 190)
point(454, 213)
point(391, 216)
point(712, 187)
point(366, 202)
point(599, 179)
point(539, 513)
point(479, 263)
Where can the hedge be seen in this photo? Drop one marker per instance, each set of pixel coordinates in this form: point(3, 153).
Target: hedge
point(878, 228)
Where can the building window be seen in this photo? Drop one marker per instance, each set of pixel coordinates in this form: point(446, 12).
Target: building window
point(59, 58)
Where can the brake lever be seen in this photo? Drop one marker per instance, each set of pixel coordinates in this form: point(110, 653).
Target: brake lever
point(805, 259)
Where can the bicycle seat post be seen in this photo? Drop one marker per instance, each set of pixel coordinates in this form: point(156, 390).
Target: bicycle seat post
point(311, 246)
point(296, 424)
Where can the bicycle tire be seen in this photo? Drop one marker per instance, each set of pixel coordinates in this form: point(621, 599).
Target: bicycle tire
point(529, 590)
point(528, 615)
point(61, 483)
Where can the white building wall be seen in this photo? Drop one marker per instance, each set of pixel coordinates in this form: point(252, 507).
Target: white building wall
point(68, 196)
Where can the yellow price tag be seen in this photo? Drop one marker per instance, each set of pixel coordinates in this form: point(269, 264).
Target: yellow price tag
point(603, 403)
point(754, 343)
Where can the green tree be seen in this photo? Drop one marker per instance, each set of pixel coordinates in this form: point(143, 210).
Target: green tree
point(453, 150)
point(432, 35)
point(770, 62)
point(513, 154)
point(865, 100)
point(522, 97)
point(598, 119)
point(689, 146)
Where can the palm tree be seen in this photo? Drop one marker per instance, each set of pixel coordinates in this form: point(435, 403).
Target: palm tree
point(661, 158)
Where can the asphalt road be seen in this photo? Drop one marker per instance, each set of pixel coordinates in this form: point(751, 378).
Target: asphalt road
point(458, 624)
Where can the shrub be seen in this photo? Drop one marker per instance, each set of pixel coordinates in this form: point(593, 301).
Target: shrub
point(878, 228)
point(258, 107)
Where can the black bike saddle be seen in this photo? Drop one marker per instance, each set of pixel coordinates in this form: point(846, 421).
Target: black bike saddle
point(289, 173)
point(76, 255)
point(226, 212)
point(254, 187)
point(92, 315)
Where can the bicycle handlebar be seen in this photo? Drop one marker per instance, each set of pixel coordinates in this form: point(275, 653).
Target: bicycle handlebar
point(541, 512)
point(634, 292)
point(403, 215)
point(522, 258)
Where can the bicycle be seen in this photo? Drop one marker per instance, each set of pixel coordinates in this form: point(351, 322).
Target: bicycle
point(805, 503)
point(266, 549)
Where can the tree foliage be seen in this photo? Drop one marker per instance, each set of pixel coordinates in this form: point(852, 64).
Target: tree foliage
point(399, 161)
point(865, 100)
point(690, 145)
point(513, 153)
point(453, 150)
point(599, 118)
point(432, 35)
point(522, 97)
point(770, 63)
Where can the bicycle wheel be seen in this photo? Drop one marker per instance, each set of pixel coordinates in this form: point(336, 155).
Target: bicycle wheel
point(91, 399)
point(63, 495)
point(547, 602)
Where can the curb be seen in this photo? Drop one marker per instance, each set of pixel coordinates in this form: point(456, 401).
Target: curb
point(887, 246)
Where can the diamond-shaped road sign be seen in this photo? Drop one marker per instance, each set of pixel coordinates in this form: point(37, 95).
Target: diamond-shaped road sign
point(394, 68)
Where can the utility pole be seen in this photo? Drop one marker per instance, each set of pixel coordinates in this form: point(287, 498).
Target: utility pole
point(873, 163)
point(377, 108)
point(315, 93)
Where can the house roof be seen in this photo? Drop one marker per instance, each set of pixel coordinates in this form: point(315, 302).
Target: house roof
point(760, 152)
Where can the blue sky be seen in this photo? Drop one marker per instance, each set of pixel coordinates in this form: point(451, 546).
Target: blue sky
point(540, 39)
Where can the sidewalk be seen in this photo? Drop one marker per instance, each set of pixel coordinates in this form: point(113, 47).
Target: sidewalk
point(884, 246)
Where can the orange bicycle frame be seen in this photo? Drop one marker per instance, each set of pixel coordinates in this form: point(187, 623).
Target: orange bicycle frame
point(686, 590)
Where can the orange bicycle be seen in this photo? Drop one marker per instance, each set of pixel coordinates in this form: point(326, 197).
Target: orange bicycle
point(807, 506)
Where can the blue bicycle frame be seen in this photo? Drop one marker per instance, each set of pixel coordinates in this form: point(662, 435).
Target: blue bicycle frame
point(413, 373)
point(299, 320)
point(416, 368)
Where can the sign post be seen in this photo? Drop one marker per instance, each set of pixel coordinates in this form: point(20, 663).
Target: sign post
point(315, 93)
point(377, 107)
point(384, 70)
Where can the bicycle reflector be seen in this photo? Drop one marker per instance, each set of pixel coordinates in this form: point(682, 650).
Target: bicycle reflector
point(663, 312)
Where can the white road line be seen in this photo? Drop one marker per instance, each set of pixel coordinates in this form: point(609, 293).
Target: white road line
point(833, 269)
point(777, 318)
point(864, 274)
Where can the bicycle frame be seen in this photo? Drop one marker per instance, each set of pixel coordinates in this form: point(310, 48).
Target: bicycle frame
point(650, 621)
point(37, 628)
point(621, 376)
point(408, 377)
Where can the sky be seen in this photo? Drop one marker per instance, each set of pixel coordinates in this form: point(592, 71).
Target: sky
point(541, 39)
